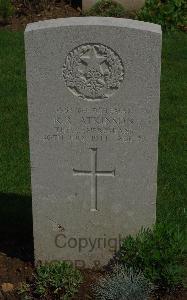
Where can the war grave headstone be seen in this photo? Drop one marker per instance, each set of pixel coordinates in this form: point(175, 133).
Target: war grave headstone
point(93, 109)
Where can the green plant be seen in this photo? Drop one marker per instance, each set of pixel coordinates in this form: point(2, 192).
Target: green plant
point(158, 253)
point(170, 14)
point(123, 284)
point(106, 8)
point(24, 291)
point(58, 279)
point(6, 9)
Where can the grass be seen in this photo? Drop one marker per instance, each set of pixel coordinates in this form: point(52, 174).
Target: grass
point(172, 167)
point(14, 147)
point(15, 191)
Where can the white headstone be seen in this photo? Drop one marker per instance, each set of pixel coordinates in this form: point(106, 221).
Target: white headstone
point(93, 100)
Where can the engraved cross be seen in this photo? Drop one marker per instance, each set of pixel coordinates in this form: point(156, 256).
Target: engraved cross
point(93, 173)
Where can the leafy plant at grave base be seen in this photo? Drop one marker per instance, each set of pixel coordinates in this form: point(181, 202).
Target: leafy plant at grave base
point(24, 291)
point(123, 284)
point(58, 280)
point(6, 10)
point(106, 8)
point(170, 14)
point(158, 253)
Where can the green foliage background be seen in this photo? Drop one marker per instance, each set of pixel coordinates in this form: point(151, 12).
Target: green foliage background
point(6, 9)
point(170, 14)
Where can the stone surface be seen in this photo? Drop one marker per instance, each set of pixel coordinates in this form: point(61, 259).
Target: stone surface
point(93, 102)
point(130, 5)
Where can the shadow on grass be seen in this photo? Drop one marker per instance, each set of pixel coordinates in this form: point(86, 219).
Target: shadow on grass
point(16, 235)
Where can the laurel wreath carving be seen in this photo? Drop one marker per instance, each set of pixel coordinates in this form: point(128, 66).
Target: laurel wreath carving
point(93, 84)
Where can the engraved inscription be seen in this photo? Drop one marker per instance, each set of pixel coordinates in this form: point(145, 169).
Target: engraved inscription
point(93, 72)
point(93, 125)
point(93, 173)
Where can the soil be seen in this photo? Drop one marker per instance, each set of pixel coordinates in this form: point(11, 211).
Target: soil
point(24, 13)
point(14, 271)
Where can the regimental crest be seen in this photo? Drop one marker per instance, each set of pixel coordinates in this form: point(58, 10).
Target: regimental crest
point(93, 72)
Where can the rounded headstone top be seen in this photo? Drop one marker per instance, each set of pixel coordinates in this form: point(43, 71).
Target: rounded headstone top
point(94, 21)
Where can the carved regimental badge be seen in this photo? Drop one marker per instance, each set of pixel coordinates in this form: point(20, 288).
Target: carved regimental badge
point(93, 72)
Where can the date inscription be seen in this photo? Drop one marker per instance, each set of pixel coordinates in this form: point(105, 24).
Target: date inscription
point(91, 125)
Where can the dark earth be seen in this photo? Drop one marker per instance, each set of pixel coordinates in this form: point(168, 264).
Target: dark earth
point(16, 237)
point(14, 271)
point(25, 13)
